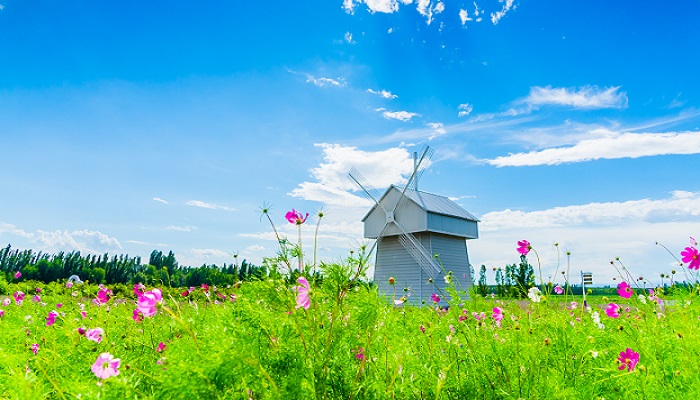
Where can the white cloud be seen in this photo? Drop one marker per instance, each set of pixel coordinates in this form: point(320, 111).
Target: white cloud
point(681, 205)
point(404, 116)
point(495, 17)
point(348, 38)
point(465, 109)
point(477, 12)
point(382, 6)
point(255, 247)
point(333, 186)
point(438, 128)
point(384, 93)
point(428, 10)
point(464, 16)
point(137, 242)
point(211, 206)
point(608, 145)
point(596, 233)
point(187, 228)
point(158, 199)
point(349, 6)
point(325, 82)
point(208, 253)
point(587, 97)
point(86, 241)
point(1, 7)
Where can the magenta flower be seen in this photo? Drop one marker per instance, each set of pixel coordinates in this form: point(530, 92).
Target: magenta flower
point(95, 334)
point(691, 257)
point(51, 318)
point(205, 287)
point(161, 347)
point(106, 366)
point(2, 313)
point(303, 297)
point(624, 290)
point(558, 290)
point(36, 298)
point(38, 290)
point(435, 298)
point(69, 284)
point(612, 310)
point(497, 315)
point(628, 359)
point(524, 247)
point(148, 301)
point(137, 316)
point(35, 348)
point(19, 297)
point(294, 217)
point(18, 275)
point(82, 331)
point(139, 288)
point(103, 296)
point(360, 354)
point(59, 305)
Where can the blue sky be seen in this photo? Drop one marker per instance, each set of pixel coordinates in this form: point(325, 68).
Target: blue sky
point(131, 126)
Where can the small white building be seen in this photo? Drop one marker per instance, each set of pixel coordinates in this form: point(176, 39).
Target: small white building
point(439, 226)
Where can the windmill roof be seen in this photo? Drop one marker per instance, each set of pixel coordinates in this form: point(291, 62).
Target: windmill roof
point(432, 203)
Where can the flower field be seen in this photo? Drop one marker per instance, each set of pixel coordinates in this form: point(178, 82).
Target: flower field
point(337, 338)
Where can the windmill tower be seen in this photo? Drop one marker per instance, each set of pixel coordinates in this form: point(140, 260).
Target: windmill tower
point(411, 227)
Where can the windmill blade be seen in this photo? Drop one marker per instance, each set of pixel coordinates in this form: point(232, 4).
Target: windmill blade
point(417, 251)
point(364, 184)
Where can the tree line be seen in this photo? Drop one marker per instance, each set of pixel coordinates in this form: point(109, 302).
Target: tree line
point(161, 269)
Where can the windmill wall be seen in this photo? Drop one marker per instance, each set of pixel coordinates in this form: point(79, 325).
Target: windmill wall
point(394, 261)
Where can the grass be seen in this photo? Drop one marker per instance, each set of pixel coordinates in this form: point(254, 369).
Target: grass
point(350, 344)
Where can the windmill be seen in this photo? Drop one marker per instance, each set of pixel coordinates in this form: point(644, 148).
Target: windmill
point(411, 228)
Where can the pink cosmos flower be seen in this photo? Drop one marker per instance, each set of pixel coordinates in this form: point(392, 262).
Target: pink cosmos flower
point(38, 290)
point(95, 334)
point(148, 301)
point(185, 293)
point(2, 313)
point(205, 287)
point(69, 284)
point(294, 217)
point(478, 316)
point(6, 302)
point(435, 298)
point(628, 359)
point(103, 295)
point(497, 315)
point(35, 348)
point(524, 247)
point(19, 297)
point(612, 310)
point(303, 297)
point(691, 256)
point(161, 347)
point(51, 318)
point(106, 366)
point(82, 331)
point(360, 354)
point(422, 328)
point(232, 297)
point(59, 305)
point(18, 275)
point(624, 290)
point(558, 290)
point(83, 314)
point(139, 288)
point(137, 316)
